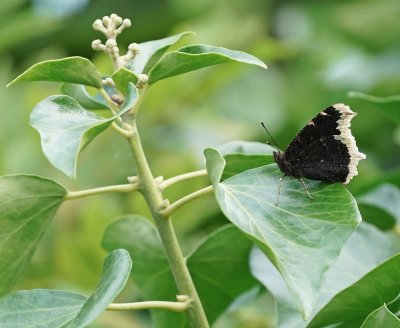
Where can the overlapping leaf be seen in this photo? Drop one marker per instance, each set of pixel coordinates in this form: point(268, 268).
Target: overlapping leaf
point(302, 237)
point(66, 128)
point(151, 51)
point(54, 309)
point(27, 205)
point(381, 317)
point(194, 57)
point(244, 155)
point(77, 70)
point(122, 77)
point(79, 93)
point(219, 267)
point(366, 249)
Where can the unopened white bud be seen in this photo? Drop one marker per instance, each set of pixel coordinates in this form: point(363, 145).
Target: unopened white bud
point(97, 45)
point(142, 81)
point(111, 43)
point(134, 48)
point(126, 22)
point(106, 21)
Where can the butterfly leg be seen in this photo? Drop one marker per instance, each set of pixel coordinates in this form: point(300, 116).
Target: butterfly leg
point(278, 191)
point(305, 188)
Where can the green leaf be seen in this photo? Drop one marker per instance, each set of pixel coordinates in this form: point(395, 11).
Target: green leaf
point(39, 308)
point(366, 248)
point(302, 237)
point(27, 205)
point(381, 317)
point(51, 308)
point(381, 285)
point(151, 51)
point(243, 155)
point(386, 200)
point(219, 267)
point(65, 128)
point(79, 93)
point(116, 270)
point(77, 70)
point(122, 77)
point(198, 56)
point(151, 273)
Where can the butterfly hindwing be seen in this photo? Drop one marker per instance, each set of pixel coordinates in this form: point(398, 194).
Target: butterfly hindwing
point(324, 149)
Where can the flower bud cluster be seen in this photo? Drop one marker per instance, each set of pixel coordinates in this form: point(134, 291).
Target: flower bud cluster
point(111, 26)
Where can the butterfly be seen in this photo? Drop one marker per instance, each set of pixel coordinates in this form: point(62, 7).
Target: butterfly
point(323, 150)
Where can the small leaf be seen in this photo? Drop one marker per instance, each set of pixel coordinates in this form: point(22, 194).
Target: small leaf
point(65, 128)
point(117, 267)
point(381, 285)
point(54, 309)
point(198, 56)
point(242, 155)
point(79, 93)
point(77, 70)
point(27, 205)
point(366, 248)
point(381, 317)
point(39, 308)
point(302, 237)
point(122, 77)
point(219, 267)
point(151, 51)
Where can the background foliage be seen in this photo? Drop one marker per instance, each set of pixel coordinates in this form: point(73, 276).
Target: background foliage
point(316, 53)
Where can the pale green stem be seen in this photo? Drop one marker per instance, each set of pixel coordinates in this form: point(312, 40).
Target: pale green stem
point(171, 306)
point(169, 182)
point(184, 200)
point(153, 195)
point(113, 107)
point(102, 190)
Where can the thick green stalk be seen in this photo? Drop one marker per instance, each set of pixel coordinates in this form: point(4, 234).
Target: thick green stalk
point(154, 198)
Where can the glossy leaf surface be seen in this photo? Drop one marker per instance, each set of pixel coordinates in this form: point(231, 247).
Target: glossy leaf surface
point(302, 237)
point(195, 57)
point(27, 205)
point(151, 51)
point(77, 70)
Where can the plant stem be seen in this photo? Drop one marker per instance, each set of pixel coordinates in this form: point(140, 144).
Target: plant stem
point(153, 196)
point(101, 190)
point(172, 306)
point(184, 200)
point(169, 182)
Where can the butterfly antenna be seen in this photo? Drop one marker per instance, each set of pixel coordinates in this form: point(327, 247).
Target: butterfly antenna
point(275, 145)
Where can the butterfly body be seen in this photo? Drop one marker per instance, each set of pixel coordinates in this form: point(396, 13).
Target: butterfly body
point(324, 149)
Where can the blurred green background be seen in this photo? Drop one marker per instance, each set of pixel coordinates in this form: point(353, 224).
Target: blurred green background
point(316, 52)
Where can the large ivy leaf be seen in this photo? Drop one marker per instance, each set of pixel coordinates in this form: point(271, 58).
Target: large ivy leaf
point(244, 155)
point(151, 51)
point(79, 93)
point(66, 128)
point(302, 237)
point(39, 308)
point(27, 205)
point(219, 267)
point(197, 56)
point(381, 317)
point(77, 70)
point(366, 248)
point(117, 267)
point(54, 309)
